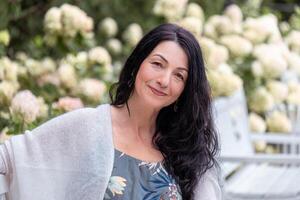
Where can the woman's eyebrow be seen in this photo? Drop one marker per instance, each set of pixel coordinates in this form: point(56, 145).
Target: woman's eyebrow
point(183, 68)
point(159, 55)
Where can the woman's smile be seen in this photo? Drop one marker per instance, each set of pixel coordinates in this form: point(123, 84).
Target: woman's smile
point(157, 92)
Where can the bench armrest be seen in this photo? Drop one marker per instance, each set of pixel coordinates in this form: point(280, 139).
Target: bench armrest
point(263, 158)
point(276, 138)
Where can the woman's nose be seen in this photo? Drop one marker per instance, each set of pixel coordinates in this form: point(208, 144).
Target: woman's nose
point(164, 80)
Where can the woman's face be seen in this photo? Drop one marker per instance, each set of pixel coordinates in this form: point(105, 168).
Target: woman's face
point(162, 75)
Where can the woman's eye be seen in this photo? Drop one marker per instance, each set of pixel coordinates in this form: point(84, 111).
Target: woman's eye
point(180, 76)
point(157, 64)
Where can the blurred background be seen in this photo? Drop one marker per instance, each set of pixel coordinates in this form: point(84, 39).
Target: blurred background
point(57, 56)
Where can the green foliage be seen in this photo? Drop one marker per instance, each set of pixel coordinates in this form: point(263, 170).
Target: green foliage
point(295, 19)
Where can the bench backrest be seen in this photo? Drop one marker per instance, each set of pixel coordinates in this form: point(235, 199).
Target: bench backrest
point(231, 120)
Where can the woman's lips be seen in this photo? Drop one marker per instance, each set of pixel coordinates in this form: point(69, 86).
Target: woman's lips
point(157, 92)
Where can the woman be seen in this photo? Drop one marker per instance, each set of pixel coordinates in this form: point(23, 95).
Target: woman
point(156, 139)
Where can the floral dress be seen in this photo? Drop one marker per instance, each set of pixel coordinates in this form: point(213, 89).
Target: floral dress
point(134, 179)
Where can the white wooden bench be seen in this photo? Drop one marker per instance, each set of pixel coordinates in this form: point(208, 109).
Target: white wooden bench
point(249, 175)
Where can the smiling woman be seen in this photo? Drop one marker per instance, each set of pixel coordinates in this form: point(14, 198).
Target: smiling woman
point(156, 140)
point(168, 110)
point(160, 74)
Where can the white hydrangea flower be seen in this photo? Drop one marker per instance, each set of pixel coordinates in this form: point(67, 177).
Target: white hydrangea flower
point(21, 71)
point(210, 31)
point(262, 49)
point(294, 93)
point(260, 146)
point(4, 37)
point(293, 40)
point(2, 70)
point(51, 78)
point(278, 122)
point(282, 48)
point(68, 103)
point(271, 150)
point(79, 61)
point(7, 91)
point(39, 68)
point(100, 56)
point(214, 78)
point(218, 55)
point(214, 54)
point(195, 10)
point(109, 27)
point(237, 45)
point(66, 21)
point(82, 57)
point(8, 69)
point(261, 100)
point(52, 20)
point(293, 98)
point(257, 123)
point(25, 106)
point(70, 58)
point(74, 20)
point(34, 67)
point(284, 26)
point(257, 69)
point(225, 69)
point(70, 15)
point(223, 82)
point(294, 62)
point(133, 34)
point(206, 45)
point(232, 83)
point(294, 86)
point(271, 58)
point(21, 56)
point(4, 136)
point(169, 9)
point(192, 24)
point(114, 45)
point(273, 66)
point(67, 75)
point(257, 30)
point(234, 13)
point(222, 25)
point(278, 90)
point(43, 108)
point(88, 26)
point(48, 64)
point(92, 89)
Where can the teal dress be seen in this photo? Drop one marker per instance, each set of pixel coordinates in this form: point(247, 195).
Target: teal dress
point(134, 179)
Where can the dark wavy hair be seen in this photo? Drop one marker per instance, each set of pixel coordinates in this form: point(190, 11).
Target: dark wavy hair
point(186, 138)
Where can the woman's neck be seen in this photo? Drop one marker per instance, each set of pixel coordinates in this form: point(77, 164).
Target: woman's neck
point(140, 118)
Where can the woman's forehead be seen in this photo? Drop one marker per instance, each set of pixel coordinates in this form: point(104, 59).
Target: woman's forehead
point(171, 53)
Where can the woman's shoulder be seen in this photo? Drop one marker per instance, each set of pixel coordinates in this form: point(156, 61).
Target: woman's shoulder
point(81, 115)
point(74, 140)
point(85, 112)
point(80, 126)
point(83, 121)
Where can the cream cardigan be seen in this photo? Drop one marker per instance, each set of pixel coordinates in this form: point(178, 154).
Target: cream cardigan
point(70, 157)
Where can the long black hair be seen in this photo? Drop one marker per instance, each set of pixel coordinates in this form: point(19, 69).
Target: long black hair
point(185, 137)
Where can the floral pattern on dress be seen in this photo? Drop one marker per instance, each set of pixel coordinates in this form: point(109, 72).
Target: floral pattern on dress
point(154, 167)
point(130, 172)
point(162, 180)
point(116, 186)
